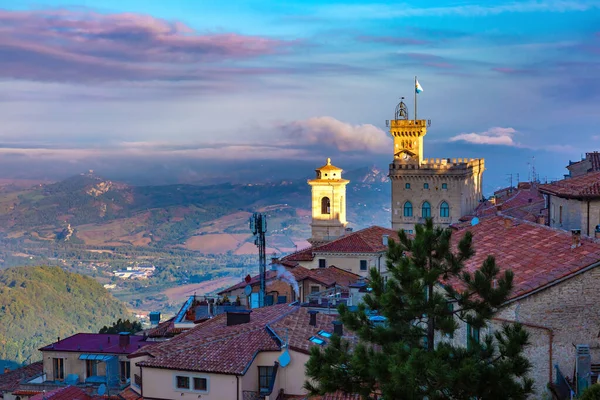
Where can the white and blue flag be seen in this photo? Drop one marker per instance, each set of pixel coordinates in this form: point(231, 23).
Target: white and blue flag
point(418, 87)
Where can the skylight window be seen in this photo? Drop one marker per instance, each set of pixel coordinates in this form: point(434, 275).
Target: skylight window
point(316, 340)
point(325, 334)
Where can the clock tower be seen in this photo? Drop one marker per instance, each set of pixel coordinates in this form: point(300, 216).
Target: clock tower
point(442, 189)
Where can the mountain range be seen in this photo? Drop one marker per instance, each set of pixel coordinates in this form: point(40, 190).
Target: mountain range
point(91, 210)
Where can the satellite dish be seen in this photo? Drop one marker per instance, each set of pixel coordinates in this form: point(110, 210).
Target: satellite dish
point(248, 290)
point(474, 221)
point(284, 358)
point(102, 389)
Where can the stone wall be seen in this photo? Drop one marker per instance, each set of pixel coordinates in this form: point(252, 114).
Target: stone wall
point(574, 214)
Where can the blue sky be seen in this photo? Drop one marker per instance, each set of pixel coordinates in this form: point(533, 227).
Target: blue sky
point(246, 80)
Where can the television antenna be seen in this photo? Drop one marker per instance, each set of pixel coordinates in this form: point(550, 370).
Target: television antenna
point(258, 226)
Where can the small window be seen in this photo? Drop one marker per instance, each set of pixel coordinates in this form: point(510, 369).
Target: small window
point(408, 209)
point(426, 210)
point(200, 384)
point(316, 340)
point(560, 215)
point(407, 186)
point(325, 205)
point(473, 334)
point(314, 289)
point(363, 265)
point(444, 210)
point(183, 382)
point(444, 186)
point(322, 263)
point(265, 378)
point(325, 334)
point(426, 186)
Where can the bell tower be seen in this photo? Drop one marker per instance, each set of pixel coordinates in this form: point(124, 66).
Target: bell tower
point(328, 204)
point(408, 136)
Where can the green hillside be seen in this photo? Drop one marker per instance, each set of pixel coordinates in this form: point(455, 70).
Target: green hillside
point(39, 304)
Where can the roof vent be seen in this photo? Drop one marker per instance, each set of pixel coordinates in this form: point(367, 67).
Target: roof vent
point(238, 317)
point(575, 238)
point(313, 317)
point(385, 239)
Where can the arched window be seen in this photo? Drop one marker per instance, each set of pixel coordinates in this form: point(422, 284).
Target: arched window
point(407, 186)
point(408, 209)
point(325, 205)
point(444, 210)
point(444, 186)
point(426, 210)
point(426, 186)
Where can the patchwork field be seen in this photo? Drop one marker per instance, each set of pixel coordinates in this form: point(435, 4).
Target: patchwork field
point(218, 243)
point(118, 232)
point(180, 293)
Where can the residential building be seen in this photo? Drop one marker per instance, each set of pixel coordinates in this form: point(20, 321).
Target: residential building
point(443, 189)
point(253, 354)
point(590, 163)
point(328, 204)
point(555, 291)
point(10, 380)
point(87, 360)
point(574, 203)
point(289, 281)
point(356, 252)
point(524, 202)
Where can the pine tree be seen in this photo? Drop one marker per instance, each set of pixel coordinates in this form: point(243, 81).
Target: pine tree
point(411, 355)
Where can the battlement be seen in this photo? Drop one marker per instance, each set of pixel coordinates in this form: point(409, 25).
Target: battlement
point(408, 127)
point(441, 164)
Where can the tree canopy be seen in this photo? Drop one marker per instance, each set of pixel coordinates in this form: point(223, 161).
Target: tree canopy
point(415, 353)
point(122, 326)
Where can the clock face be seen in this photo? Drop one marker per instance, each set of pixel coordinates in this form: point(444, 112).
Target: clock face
point(406, 156)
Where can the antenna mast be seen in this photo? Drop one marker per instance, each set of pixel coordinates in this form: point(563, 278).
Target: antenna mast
point(258, 226)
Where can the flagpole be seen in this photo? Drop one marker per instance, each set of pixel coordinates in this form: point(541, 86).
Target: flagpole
point(415, 98)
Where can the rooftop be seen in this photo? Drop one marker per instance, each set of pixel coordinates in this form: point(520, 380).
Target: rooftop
point(524, 202)
point(332, 275)
point(368, 240)
point(583, 186)
point(212, 346)
point(10, 380)
point(538, 255)
point(97, 343)
point(64, 393)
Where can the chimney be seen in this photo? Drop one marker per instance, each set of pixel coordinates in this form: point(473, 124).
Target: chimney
point(313, 317)
point(385, 239)
point(338, 328)
point(238, 317)
point(575, 238)
point(498, 209)
point(154, 318)
point(541, 219)
point(507, 223)
point(124, 339)
point(6, 370)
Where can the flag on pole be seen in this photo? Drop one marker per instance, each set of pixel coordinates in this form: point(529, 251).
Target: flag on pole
point(418, 87)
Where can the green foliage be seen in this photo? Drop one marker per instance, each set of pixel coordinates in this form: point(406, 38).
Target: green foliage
point(39, 304)
point(591, 393)
point(122, 326)
point(406, 358)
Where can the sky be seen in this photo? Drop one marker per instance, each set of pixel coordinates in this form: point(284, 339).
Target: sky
point(208, 86)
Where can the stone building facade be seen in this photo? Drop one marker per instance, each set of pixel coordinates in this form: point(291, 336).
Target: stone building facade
point(574, 203)
point(443, 189)
point(328, 204)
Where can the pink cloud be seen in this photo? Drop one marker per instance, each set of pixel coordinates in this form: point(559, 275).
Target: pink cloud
point(494, 136)
point(81, 46)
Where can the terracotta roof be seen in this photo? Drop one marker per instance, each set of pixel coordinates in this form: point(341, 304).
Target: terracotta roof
point(214, 347)
point(299, 273)
point(523, 203)
point(594, 159)
point(97, 343)
point(10, 380)
point(63, 393)
point(163, 329)
point(584, 186)
point(368, 240)
point(332, 275)
point(538, 255)
point(130, 394)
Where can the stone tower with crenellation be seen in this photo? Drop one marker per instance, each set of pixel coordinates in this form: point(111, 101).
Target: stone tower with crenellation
point(328, 204)
point(444, 189)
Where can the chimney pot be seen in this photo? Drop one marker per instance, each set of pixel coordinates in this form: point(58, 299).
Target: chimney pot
point(575, 238)
point(313, 317)
point(6, 370)
point(338, 328)
point(541, 219)
point(507, 223)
